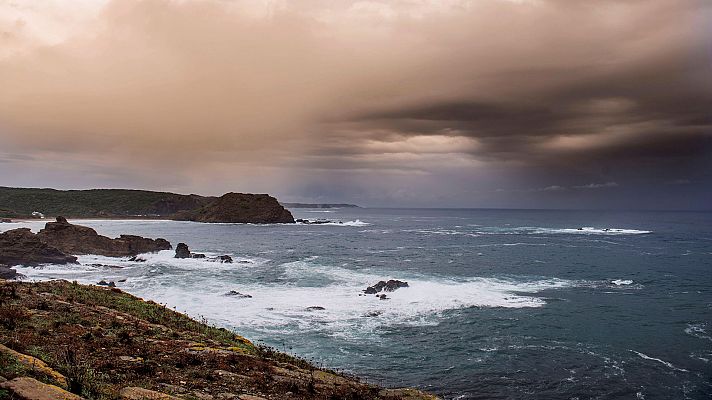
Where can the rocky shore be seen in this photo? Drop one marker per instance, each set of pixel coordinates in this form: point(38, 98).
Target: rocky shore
point(62, 340)
point(66, 341)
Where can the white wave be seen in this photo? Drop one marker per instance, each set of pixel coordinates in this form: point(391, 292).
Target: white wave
point(320, 211)
point(357, 222)
point(529, 230)
point(698, 331)
point(667, 364)
point(622, 282)
point(282, 293)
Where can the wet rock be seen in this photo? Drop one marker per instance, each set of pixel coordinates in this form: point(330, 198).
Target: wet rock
point(240, 208)
point(77, 239)
point(197, 255)
point(224, 259)
point(383, 297)
point(386, 286)
point(137, 259)
point(25, 388)
point(315, 308)
point(182, 251)
point(107, 284)
point(238, 294)
point(5, 220)
point(8, 273)
point(22, 247)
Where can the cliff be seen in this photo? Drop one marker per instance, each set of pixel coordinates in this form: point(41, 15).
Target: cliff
point(61, 340)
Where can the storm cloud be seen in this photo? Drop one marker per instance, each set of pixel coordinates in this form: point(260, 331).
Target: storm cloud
point(448, 103)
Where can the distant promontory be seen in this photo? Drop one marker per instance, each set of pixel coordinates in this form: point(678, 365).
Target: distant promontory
point(125, 203)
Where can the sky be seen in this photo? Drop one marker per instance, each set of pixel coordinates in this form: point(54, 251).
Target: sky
point(402, 103)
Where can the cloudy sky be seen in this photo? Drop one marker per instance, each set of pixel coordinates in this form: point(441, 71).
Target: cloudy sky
point(421, 103)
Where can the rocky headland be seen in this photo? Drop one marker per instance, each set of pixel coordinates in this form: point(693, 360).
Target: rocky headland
point(122, 203)
point(239, 208)
point(62, 340)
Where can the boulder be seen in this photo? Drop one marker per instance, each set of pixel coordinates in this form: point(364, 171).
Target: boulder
point(239, 208)
point(182, 251)
point(77, 239)
point(8, 273)
point(22, 247)
point(25, 388)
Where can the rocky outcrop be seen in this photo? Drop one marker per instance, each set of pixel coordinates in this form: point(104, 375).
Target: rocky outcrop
point(182, 251)
point(77, 239)
point(8, 273)
point(386, 286)
point(25, 388)
point(39, 367)
point(22, 247)
point(239, 208)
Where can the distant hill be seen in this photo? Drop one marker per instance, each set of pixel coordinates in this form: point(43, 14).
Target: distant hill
point(310, 205)
point(22, 202)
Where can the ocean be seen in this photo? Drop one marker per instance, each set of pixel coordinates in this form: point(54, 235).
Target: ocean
point(501, 304)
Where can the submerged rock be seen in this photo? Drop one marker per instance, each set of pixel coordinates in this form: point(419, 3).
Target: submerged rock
point(22, 247)
point(315, 308)
point(239, 208)
point(238, 294)
point(224, 259)
point(77, 239)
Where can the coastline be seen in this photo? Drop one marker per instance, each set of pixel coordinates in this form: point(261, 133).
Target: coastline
point(102, 343)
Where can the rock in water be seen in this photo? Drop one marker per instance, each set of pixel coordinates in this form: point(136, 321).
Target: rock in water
point(389, 286)
point(22, 247)
point(182, 251)
point(240, 208)
point(77, 239)
point(8, 273)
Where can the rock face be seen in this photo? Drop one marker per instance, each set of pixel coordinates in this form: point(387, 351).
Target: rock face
point(240, 208)
point(22, 247)
point(77, 239)
point(388, 286)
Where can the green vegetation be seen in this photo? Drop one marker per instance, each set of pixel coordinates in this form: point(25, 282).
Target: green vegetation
point(22, 202)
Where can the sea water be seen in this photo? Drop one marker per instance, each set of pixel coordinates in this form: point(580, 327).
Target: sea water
point(501, 303)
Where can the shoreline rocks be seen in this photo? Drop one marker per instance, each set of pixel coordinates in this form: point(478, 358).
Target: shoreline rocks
point(79, 240)
point(183, 251)
point(22, 247)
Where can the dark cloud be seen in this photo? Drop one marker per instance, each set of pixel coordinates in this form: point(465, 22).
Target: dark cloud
point(459, 97)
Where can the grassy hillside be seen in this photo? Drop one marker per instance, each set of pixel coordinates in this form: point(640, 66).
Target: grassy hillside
point(104, 344)
point(21, 202)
